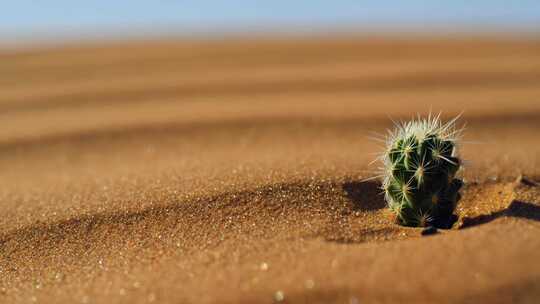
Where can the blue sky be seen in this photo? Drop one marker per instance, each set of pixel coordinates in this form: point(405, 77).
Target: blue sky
point(20, 18)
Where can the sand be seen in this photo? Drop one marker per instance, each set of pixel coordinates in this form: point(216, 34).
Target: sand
point(230, 171)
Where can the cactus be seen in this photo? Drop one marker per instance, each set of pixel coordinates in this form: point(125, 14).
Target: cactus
point(419, 168)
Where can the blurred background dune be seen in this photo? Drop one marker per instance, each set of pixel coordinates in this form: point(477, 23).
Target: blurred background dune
point(99, 65)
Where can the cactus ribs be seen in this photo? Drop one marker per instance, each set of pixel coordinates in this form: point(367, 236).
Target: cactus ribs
point(419, 169)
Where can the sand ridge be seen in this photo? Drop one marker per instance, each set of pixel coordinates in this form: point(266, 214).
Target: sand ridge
point(232, 172)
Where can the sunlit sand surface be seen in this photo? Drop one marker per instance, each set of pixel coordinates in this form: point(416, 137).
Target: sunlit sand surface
point(231, 172)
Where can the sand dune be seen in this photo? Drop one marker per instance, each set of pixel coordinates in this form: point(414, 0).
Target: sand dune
point(230, 171)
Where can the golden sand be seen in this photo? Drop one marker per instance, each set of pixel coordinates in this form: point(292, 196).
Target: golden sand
point(230, 171)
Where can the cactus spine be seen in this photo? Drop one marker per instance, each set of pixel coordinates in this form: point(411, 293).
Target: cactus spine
point(419, 169)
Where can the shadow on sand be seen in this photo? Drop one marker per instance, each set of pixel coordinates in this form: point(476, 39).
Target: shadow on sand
point(368, 196)
point(517, 208)
point(365, 196)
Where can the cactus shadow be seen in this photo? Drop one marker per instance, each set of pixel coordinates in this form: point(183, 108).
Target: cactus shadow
point(517, 208)
point(365, 196)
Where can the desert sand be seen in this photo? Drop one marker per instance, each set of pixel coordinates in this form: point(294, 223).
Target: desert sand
point(231, 171)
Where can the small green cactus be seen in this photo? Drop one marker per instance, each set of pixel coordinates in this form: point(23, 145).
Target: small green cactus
point(419, 168)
